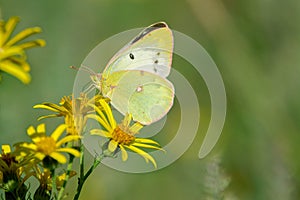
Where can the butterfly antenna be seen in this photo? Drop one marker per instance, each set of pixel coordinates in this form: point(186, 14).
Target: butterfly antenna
point(84, 68)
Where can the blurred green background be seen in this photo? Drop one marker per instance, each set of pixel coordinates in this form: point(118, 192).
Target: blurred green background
point(255, 44)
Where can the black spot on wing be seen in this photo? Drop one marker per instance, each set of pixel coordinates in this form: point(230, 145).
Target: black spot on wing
point(131, 56)
point(148, 30)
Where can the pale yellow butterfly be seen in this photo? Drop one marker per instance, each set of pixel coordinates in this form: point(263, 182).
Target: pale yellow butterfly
point(135, 78)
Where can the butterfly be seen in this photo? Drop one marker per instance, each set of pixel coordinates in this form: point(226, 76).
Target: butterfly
point(135, 77)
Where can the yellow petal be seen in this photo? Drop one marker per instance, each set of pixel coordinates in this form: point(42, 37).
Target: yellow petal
point(145, 140)
point(37, 137)
point(100, 113)
point(146, 146)
point(135, 128)
point(101, 121)
point(66, 139)
point(16, 71)
point(41, 128)
point(72, 151)
point(112, 146)
point(48, 116)
point(144, 154)
point(58, 131)
point(22, 35)
point(109, 114)
point(10, 52)
point(101, 133)
point(31, 131)
point(124, 153)
point(9, 27)
point(127, 119)
point(59, 157)
point(6, 148)
point(29, 146)
point(21, 61)
point(66, 102)
point(2, 31)
point(39, 155)
point(35, 43)
point(52, 107)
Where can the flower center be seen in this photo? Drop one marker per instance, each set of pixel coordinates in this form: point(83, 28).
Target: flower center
point(46, 145)
point(122, 137)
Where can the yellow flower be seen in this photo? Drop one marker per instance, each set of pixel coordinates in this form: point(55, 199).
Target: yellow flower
point(122, 136)
point(61, 178)
point(11, 170)
point(12, 55)
point(73, 111)
point(8, 163)
point(49, 147)
point(45, 179)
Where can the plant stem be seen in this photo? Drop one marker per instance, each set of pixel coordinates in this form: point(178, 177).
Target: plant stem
point(81, 163)
point(82, 179)
point(69, 169)
point(53, 192)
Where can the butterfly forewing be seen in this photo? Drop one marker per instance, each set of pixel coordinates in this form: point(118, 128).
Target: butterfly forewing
point(150, 51)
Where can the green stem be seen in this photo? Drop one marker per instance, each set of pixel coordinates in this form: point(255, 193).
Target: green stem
point(52, 172)
point(81, 163)
point(82, 180)
point(69, 169)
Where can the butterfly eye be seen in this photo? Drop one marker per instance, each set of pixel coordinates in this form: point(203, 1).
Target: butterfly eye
point(131, 56)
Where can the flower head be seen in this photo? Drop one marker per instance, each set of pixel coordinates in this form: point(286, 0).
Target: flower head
point(122, 136)
point(13, 59)
point(8, 162)
point(73, 110)
point(49, 148)
point(11, 173)
point(44, 176)
point(13, 161)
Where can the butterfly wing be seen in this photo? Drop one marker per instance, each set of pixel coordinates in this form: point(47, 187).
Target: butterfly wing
point(147, 96)
point(150, 51)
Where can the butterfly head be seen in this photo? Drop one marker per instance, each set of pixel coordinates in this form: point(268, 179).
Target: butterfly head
point(95, 77)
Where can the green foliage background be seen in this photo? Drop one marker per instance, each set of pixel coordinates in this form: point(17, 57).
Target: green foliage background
point(255, 44)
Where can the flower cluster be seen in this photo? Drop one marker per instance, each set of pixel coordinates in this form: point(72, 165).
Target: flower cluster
point(48, 157)
point(45, 148)
point(46, 153)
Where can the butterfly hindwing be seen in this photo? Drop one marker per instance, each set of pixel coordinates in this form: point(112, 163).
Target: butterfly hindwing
point(151, 103)
point(146, 96)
